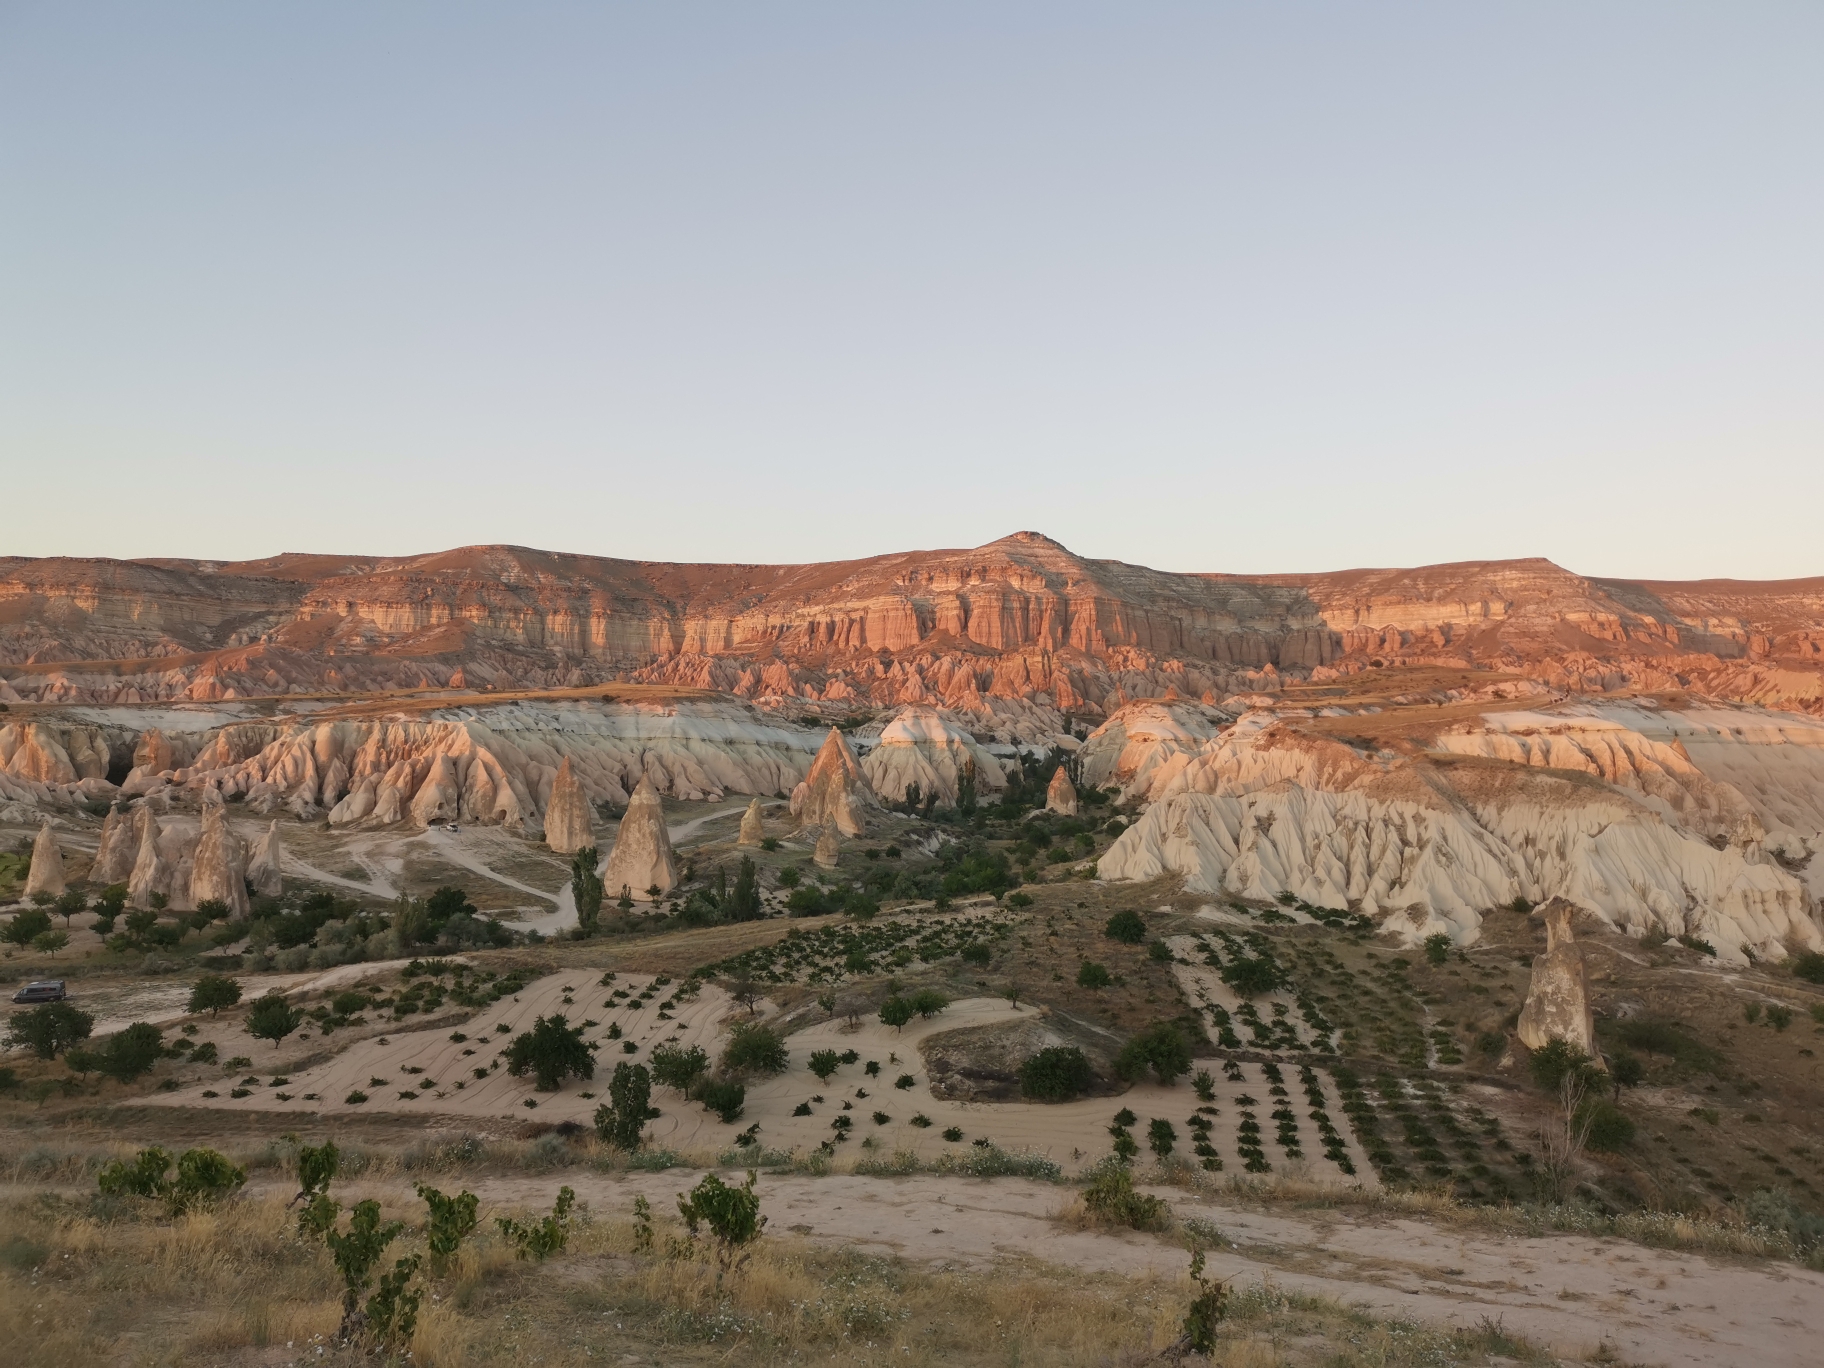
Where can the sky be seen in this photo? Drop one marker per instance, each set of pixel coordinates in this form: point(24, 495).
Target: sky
point(1238, 287)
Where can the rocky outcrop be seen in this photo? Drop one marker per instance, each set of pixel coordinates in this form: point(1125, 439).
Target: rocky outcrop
point(642, 858)
point(151, 872)
point(265, 866)
point(46, 874)
point(753, 827)
point(1061, 794)
point(922, 747)
point(828, 850)
point(115, 855)
point(569, 819)
point(835, 793)
point(218, 867)
point(1558, 998)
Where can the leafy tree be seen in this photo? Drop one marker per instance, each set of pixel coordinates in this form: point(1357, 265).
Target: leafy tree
point(896, 1012)
point(1159, 952)
point(49, 1029)
point(1110, 1197)
point(72, 901)
point(731, 1213)
point(1252, 976)
point(214, 992)
point(111, 901)
point(1554, 1060)
point(1606, 1127)
point(542, 1238)
point(824, 1063)
point(272, 1018)
point(1092, 975)
point(1208, 1308)
point(754, 1048)
point(586, 887)
point(677, 1067)
point(744, 900)
point(1125, 926)
point(1627, 1071)
point(1056, 1074)
point(550, 1050)
point(621, 1119)
point(1161, 1048)
point(25, 925)
point(725, 1097)
point(928, 1002)
point(203, 1177)
point(1809, 966)
point(317, 1166)
point(445, 903)
point(356, 1251)
point(977, 953)
point(1437, 948)
point(1160, 1137)
point(129, 1053)
point(144, 1176)
point(210, 910)
point(50, 942)
point(448, 1222)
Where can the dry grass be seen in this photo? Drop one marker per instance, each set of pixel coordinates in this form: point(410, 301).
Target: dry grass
point(86, 1281)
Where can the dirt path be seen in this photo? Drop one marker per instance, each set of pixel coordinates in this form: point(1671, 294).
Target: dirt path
point(1570, 1293)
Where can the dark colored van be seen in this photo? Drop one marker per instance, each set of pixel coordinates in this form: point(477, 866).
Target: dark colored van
point(44, 990)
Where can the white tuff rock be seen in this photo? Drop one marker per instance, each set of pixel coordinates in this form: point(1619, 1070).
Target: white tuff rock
point(753, 828)
point(828, 849)
point(114, 858)
point(1061, 796)
point(1558, 998)
point(46, 875)
point(642, 857)
point(264, 867)
point(835, 792)
point(921, 746)
point(569, 820)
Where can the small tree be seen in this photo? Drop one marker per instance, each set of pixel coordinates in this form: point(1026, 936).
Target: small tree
point(26, 924)
point(586, 887)
point(1056, 1074)
point(623, 1117)
point(731, 1213)
point(754, 1048)
point(203, 1177)
point(677, 1067)
point(50, 942)
point(1125, 926)
point(744, 899)
point(746, 992)
point(725, 1097)
point(1161, 1048)
point(928, 1002)
point(356, 1251)
point(824, 1063)
point(48, 1030)
point(129, 1053)
point(1252, 976)
point(542, 1238)
point(214, 992)
point(549, 1051)
point(69, 903)
point(1160, 1137)
point(448, 1222)
point(272, 1018)
point(896, 1012)
point(1207, 1309)
point(1437, 948)
point(1093, 976)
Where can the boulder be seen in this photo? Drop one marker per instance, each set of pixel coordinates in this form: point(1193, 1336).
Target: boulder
point(1558, 998)
point(642, 855)
point(218, 869)
point(569, 820)
point(47, 865)
point(114, 858)
point(835, 792)
point(753, 829)
point(1061, 797)
point(828, 848)
point(264, 868)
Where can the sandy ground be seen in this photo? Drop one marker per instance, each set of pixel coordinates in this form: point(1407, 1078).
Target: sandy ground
point(439, 1072)
point(1203, 986)
point(1569, 1293)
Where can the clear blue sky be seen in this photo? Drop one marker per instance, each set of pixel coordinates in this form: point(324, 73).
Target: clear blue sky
point(1204, 286)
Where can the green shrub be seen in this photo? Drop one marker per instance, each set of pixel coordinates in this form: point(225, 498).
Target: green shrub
point(1110, 1197)
point(1250, 976)
point(1437, 948)
point(1207, 1308)
point(1161, 1048)
point(541, 1238)
point(928, 1002)
point(130, 1053)
point(824, 1063)
point(448, 1222)
point(272, 1018)
point(621, 1119)
point(679, 1068)
point(725, 1097)
point(978, 954)
point(1159, 952)
point(1056, 1074)
point(203, 1177)
point(731, 1213)
point(1125, 926)
point(214, 992)
point(896, 1011)
point(1093, 976)
point(1554, 1061)
point(755, 1048)
point(1809, 966)
point(49, 1029)
point(1160, 1137)
point(350, 1002)
point(1609, 1127)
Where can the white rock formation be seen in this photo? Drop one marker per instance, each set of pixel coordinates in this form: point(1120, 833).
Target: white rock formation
point(569, 819)
point(1140, 740)
point(46, 874)
point(151, 874)
point(114, 857)
point(753, 826)
point(835, 792)
point(1558, 998)
point(219, 866)
point(1061, 795)
point(828, 848)
point(642, 856)
point(265, 866)
point(921, 746)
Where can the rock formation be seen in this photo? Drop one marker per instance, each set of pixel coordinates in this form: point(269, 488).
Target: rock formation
point(921, 746)
point(265, 867)
point(835, 792)
point(828, 848)
point(642, 857)
point(1558, 998)
point(46, 875)
point(753, 828)
point(151, 874)
point(218, 868)
point(114, 857)
point(1061, 794)
point(569, 819)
